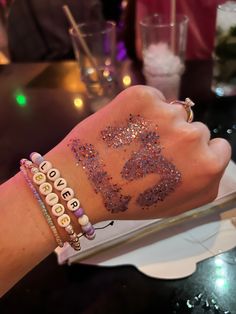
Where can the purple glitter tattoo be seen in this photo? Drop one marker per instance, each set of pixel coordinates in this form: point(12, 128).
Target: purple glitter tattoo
point(119, 136)
point(88, 157)
point(148, 159)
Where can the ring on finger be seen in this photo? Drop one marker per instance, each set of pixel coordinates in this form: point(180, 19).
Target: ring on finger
point(187, 104)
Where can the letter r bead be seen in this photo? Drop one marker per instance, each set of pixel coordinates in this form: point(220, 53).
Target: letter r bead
point(73, 204)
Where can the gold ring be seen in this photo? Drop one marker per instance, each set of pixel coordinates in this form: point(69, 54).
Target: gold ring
point(188, 103)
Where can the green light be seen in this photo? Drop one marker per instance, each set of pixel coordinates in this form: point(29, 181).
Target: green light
point(21, 100)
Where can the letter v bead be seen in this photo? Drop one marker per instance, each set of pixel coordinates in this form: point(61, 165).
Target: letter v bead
point(60, 184)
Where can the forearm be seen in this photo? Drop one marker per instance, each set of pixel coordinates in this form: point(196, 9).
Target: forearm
point(25, 238)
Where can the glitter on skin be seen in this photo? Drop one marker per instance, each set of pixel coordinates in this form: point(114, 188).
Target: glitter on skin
point(148, 159)
point(88, 157)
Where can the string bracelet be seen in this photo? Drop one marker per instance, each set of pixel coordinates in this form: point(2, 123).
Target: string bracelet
point(51, 199)
point(42, 207)
point(66, 193)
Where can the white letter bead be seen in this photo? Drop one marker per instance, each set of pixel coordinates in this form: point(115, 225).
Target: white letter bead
point(45, 188)
point(63, 220)
point(60, 184)
point(67, 194)
point(58, 209)
point(73, 204)
point(45, 166)
point(53, 174)
point(83, 220)
point(52, 199)
point(39, 178)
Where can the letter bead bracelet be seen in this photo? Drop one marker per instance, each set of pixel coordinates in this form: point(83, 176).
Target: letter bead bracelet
point(59, 197)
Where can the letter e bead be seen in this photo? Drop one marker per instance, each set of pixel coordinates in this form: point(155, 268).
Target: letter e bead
point(67, 194)
point(63, 220)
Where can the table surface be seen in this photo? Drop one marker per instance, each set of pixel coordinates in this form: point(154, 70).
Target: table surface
point(50, 90)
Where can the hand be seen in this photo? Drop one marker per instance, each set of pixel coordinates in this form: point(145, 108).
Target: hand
point(139, 158)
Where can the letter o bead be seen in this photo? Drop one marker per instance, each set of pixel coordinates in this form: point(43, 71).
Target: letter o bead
point(39, 178)
point(53, 174)
point(73, 204)
point(63, 220)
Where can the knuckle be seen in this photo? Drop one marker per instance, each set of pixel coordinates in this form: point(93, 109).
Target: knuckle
point(196, 131)
point(213, 167)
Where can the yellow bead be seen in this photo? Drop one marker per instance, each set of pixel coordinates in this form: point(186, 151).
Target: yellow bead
point(39, 178)
point(63, 220)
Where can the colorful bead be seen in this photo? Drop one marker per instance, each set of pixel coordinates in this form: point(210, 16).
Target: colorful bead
point(53, 174)
point(36, 158)
point(42, 207)
point(83, 220)
point(60, 184)
point(34, 170)
point(45, 188)
point(39, 178)
point(67, 194)
point(79, 212)
point(28, 164)
point(64, 220)
point(73, 204)
point(87, 228)
point(58, 209)
point(45, 166)
point(52, 199)
point(73, 236)
point(69, 229)
point(90, 236)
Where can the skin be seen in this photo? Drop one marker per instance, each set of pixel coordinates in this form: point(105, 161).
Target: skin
point(25, 238)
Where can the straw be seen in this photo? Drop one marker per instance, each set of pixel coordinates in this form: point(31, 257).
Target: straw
point(81, 39)
point(173, 20)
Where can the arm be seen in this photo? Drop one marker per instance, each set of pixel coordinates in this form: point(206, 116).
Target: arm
point(154, 164)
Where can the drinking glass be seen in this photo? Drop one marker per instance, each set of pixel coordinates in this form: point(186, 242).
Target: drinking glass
point(98, 74)
point(224, 56)
point(163, 48)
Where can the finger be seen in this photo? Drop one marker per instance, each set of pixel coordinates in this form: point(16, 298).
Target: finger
point(221, 149)
point(180, 111)
point(202, 130)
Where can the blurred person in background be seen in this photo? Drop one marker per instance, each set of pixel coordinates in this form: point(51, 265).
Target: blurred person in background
point(38, 30)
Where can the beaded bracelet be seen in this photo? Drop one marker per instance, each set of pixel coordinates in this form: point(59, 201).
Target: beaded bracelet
point(51, 199)
point(43, 208)
point(67, 194)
